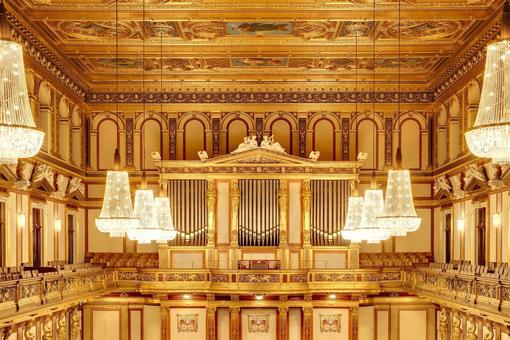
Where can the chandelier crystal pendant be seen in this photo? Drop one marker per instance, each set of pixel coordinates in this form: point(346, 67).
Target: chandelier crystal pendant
point(117, 217)
point(19, 137)
point(490, 135)
point(399, 217)
point(164, 220)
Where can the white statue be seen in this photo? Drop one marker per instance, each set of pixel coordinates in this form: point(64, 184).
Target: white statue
point(314, 155)
point(442, 183)
point(247, 144)
point(203, 155)
point(269, 144)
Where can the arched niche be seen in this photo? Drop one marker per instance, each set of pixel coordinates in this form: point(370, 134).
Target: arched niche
point(324, 139)
point(76, 136)
point(281, 130)
point(64, 129)
point(454, 129)
point(442, 135)
point(410, 143)
point(194, 138)
point(152, 140)
point(106, 143)
point(367, 141)
point(45, 115)
point(237, 129)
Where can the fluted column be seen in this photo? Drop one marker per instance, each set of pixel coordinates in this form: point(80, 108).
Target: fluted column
point(211, 323)
point(75, 324)
point(283, 332)
point(235, 323)
point(283, 196)
point(306, 195)
point(443, 324)
point(234, 211)
point(307, 323)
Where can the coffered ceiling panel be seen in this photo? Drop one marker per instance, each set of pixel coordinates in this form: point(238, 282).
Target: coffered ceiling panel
point(216, 41)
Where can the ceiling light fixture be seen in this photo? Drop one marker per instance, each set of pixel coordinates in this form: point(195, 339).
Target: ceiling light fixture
point(490, 135)
point(19, 136)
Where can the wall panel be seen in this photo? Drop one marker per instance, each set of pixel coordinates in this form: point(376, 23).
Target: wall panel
point(258, 323)
point(105, 325)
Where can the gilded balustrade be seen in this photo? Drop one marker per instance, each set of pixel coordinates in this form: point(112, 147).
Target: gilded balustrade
point(54, 288)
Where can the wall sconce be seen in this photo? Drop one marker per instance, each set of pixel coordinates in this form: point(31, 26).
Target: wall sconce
point(186, 296)
point(58, 225)
point(21, 220)
point(460, 224)
point(496, 220)
point(259, 297)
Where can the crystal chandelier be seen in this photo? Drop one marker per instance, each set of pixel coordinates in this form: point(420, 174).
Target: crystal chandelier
point(19, 137)
point(399, 217)
point(155, 218)
point(117, 217)
point(369, 230)
point(490, 135)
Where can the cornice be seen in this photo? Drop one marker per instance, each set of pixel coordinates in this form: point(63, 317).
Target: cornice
point(262, 97)
point(40, 53)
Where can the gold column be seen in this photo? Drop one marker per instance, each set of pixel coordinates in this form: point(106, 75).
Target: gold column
point(211, 219)
point(235, 323)
point(283, 325)
point(456, 326)
point(283, 200)
point(165, 332)
point(211, 323)
point(354, 320)
point(307, 323)
point(234, 215)
point(306, 195)
point(29, 331)
point(47, 329)
point(75, 324)
point(443, 324)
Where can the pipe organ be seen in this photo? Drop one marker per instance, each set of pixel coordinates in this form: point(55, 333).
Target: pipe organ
point(328, 211)
point(189, 208)
point(259, 216)
point(256, 205)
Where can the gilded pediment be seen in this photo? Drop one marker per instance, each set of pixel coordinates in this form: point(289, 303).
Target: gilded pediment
point(258, 156)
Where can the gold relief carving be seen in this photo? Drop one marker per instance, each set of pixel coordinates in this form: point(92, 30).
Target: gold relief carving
point(471, 329)
point(62, 326)
point(307, 323)
point(330, 323)
point(211, 322)
point(333, 277)
point(30, 332)
point(283, 324)
point(47, 329)
point(187, 323)
point(443, 324)
point(258, 323)
point(235, 324)
point(203, 29)
point(76, 324)
point(456, 326)
point(490, 332)
point(259, 278)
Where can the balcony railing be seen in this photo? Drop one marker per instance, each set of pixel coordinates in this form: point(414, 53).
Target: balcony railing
point(26, 294)
point(477, 288)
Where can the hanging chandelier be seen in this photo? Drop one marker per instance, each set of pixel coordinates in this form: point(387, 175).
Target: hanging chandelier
point(399, 217)
point(369, 230)
point(155, 217)
point(490, 135)
point(117, 217)
point(19, 137)
point(350, 231)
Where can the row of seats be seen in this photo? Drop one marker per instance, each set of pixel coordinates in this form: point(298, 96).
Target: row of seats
point(54, 267)
point(492, 270)
point(376, 260)
point(140, 260)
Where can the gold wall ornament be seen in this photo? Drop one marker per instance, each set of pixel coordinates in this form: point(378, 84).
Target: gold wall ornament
point(471, 329)
point(76, 317)
point(456, 326)
point(443, 324)
point(47, 328)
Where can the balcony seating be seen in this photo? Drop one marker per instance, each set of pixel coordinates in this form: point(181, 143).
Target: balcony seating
point(258, 264)
point(492, 270)
point(377, 260)
point(140, 260)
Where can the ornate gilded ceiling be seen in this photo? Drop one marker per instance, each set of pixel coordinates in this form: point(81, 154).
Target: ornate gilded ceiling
point(250, 44)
